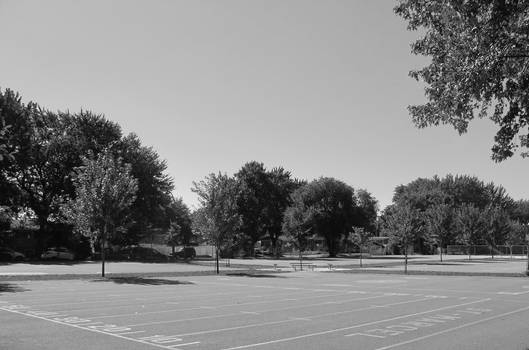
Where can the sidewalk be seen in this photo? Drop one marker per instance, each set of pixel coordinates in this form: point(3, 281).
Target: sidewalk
point(419, 264)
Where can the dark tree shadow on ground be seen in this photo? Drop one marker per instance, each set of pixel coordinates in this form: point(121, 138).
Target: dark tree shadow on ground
point(258, 275)
point(11, 288)
point(142, 281)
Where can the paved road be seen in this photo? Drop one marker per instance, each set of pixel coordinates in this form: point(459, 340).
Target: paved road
point(285, 311)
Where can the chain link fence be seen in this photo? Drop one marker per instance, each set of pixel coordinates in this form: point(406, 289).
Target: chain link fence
point(486, 250)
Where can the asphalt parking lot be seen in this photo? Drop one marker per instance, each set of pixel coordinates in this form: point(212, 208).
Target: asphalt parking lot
point(304, 310)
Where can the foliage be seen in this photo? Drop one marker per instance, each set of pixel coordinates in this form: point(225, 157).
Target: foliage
point(496, 226)
point(517, 233)
point(329, 206)
point(105, 191)
point(154, 187)
point(282, 185)
point(360, 237)
point(402, 224)
point(479, 64)
point(439, 223)
point(180, 232)
point(262, 198)
point(46, 148)
point(468, 224)
point(217, 220)
point(366, 210)
point(520, 211)
point(297, 222)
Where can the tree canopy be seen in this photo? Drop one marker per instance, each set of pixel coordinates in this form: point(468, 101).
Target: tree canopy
point(329, 206)
point(46, 147)
point(105, 190)
point(479, 66)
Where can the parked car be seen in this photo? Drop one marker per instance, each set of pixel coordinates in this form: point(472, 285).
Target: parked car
point(141, 253)
point(185, 253)
point(8, 254)
point(60, 253)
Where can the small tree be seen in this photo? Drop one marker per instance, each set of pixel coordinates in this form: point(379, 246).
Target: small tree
point(217, 220)
point(495, 227)
point(515, 235)
point(105, 190)
point(402, 226)
point(360, 237)
point(468, 225)
point(179, 231)
point(438, 225)
point(297, 227)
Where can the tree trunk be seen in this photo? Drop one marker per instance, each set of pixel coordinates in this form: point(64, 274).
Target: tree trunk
point(300, 260)
point(42, 233)
point(218, 271)
point(441, 251)
point(406, 259)
point(331, 247)
point(360, 256)
point(103, 239)
point(527, 258)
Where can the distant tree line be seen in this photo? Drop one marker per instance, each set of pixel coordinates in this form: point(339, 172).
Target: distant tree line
point(85, 184)
point(430, 214)
point(260, 204)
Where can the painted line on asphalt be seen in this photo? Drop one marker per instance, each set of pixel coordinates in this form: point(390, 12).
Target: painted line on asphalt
point(116, 335)
point(453, 329)
point(232, 305)
point(161, 301)
point(242, 327)
point(259, 311)
point(282, 340)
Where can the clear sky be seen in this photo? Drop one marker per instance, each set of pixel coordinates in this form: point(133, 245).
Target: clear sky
point(318, 87)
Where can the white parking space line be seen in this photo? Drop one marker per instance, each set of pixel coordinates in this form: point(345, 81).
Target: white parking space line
point(514, 293)
point(116, 335)
point(209, 331)
point(234, 304)
point(453, 329)
point(282, 340)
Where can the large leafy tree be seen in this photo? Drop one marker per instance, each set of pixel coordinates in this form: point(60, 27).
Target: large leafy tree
point(282, 185)
point(520, 211)
point(46, 147)
point(479, 66)
point(180, 231)
point(366, 210)
point(154, 198)
point(217, 219)
point(105, 190)
point(332, 207)
point(254, 198)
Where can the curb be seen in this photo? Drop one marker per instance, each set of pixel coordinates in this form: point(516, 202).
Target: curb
point(242, 272)
point(437, 273)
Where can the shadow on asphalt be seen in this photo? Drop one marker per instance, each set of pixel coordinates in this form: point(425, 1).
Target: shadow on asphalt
point(46, 262)
point(142, 281)
point(11, 288)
